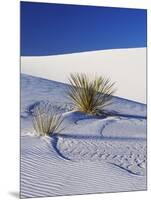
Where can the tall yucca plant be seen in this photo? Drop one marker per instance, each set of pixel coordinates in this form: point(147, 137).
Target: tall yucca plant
point(46, 121)
point(90, 95)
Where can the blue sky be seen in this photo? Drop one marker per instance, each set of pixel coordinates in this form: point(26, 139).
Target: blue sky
point(51, 29)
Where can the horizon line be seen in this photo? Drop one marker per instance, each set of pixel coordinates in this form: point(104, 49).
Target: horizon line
point(78, 52)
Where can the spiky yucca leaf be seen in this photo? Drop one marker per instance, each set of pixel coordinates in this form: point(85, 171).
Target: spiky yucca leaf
point(46, 121)
point(90, 95)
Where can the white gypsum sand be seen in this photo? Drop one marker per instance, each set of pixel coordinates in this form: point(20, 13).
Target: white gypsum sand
point(126, 67)
point(91, 155)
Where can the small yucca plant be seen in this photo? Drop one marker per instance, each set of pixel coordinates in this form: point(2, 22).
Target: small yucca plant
point(90, 95)
point(46, 120)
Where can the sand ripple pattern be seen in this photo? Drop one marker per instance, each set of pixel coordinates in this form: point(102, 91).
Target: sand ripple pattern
point(45, 173)
point(129, 155)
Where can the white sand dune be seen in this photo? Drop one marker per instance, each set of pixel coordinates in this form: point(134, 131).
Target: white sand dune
point(126, 67)
point(91, 155)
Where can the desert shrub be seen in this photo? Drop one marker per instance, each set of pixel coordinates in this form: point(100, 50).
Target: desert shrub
point(46, 120)
point(90, 95)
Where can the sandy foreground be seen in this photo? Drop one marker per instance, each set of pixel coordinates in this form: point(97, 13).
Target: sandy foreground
point(91, 155)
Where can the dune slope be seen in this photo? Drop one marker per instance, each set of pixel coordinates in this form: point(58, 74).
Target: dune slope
point(126, 67)
point(91, 155)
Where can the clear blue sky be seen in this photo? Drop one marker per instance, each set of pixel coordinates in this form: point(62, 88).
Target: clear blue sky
point(50, 29)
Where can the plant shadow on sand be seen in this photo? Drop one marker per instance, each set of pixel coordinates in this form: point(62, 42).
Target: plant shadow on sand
point(54, 142)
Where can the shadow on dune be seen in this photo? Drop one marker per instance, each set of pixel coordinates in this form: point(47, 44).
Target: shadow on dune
point(117, 114)
point(87, 137)
point(54, 142)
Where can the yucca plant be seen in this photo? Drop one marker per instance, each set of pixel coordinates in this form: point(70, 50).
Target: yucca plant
point(90, 95)
point(46, 120)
